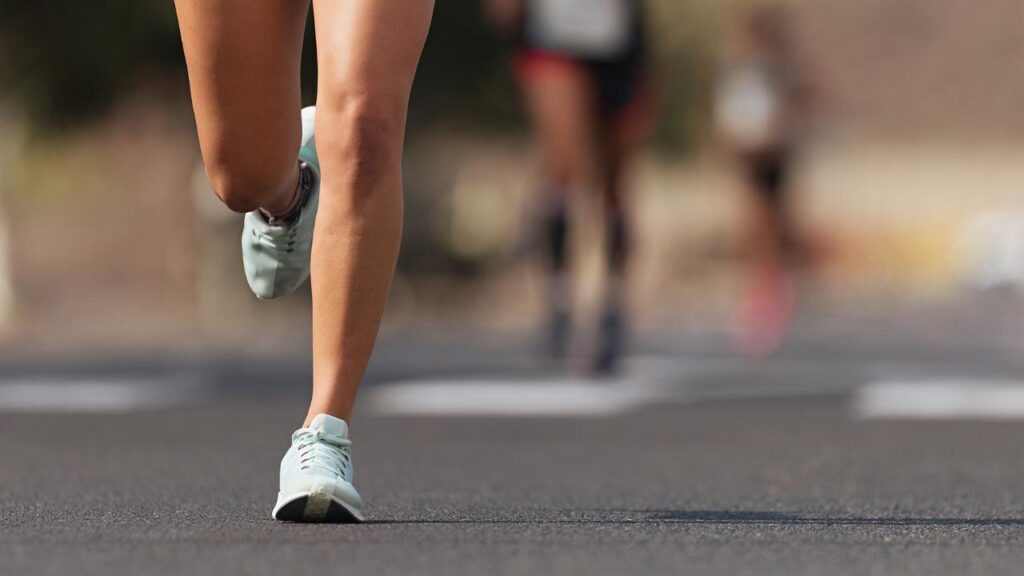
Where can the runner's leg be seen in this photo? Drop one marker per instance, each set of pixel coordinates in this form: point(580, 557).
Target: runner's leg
point(368, 51)
point(243, 64)
point(561, 101)
point(765, 310)
point(620, 139)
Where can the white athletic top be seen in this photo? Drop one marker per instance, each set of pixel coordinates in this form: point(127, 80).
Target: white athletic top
point(599, 29)
point(751, 102)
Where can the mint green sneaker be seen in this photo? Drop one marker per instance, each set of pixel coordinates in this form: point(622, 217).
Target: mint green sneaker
point(316, 475)
point(276, 258)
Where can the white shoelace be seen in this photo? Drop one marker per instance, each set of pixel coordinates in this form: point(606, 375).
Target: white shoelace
point(324, 452)
point(284, 241)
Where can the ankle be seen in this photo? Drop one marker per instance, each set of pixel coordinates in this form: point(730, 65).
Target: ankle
point(289, 212)
point(314, 412)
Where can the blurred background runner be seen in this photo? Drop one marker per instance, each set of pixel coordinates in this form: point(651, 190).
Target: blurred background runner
point(582, 67)
point(761, 106)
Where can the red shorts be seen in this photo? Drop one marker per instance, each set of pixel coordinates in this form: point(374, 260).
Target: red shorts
point(623, 89)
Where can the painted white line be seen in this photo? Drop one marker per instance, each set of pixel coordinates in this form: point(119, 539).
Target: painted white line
point(966, 399)
point(758, 392)
point(510, 398)
point(97, 396)
point(649, 380)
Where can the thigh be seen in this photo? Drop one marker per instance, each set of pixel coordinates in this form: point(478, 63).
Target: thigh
point(367, 53)
point(243, 61)
point(561, 101)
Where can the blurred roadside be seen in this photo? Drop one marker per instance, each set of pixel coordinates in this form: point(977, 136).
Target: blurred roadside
point(912, 188)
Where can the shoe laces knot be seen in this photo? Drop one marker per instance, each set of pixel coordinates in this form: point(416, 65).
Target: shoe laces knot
point(323, 451)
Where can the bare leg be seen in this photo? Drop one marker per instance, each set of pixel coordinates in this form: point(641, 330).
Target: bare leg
point(765, 312)
point(770, 238)
point(243, 63)
point(560, 99)
point(620, 139)
point(561, 102)
point(368, 52)
point(619, 148)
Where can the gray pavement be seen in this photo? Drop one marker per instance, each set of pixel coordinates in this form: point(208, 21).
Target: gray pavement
point(741, 468)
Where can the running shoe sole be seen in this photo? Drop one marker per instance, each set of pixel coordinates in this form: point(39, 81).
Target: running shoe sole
point(316, 506)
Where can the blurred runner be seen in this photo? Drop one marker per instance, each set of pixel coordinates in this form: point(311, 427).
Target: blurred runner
point(761, 105)
point(263, 159)
point(582, 68)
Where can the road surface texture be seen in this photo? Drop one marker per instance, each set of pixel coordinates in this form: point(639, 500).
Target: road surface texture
point(690, 462)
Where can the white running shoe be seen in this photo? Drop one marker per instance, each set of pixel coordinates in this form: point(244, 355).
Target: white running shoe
point(316, 476)
point(276, 258)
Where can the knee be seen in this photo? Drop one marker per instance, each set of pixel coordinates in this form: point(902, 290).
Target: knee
point(567, 169)
point(242, 188)
point(360, 135)
point(234, 189)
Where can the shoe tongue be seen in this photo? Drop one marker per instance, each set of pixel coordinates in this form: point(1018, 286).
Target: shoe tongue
point(330, 425)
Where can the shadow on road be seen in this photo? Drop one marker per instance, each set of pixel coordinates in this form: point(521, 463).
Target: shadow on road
point(753, 517)
point(716, 517)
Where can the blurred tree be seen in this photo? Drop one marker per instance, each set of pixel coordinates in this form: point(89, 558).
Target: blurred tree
point(464, 78)
point(66, 61)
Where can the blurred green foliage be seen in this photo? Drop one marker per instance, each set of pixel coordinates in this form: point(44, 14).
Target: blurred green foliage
point(64, 62)
point(464, 78)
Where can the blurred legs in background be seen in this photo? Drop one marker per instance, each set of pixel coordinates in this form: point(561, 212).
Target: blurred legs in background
point(773, 250)
point(586, 138)
point(561, 104)
point(620, 142)
point(761, 108)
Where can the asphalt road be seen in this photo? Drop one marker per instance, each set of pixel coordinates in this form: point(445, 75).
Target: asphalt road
point(732, 467)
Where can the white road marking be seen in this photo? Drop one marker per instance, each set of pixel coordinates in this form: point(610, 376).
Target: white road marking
point(968, 399)
point(511, 397)
point(897, 391)
point(648, 381)
point(32, 395)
